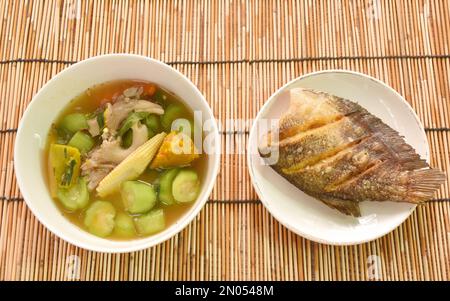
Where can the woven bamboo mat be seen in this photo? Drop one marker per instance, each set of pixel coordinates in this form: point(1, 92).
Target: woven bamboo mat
point(238, 53)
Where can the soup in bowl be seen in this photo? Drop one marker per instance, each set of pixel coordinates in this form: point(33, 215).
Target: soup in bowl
point(117, 153)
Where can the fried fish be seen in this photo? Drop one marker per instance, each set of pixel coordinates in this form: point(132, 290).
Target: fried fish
point(336, 151)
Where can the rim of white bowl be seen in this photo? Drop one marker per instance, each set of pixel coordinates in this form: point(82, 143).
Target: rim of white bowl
point(169, 232)
point(262, 197)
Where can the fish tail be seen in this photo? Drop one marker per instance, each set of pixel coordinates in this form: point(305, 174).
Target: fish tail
point(424, 183)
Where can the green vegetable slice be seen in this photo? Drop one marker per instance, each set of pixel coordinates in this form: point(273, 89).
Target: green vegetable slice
point(138, 197)
point(99, 218)
point(150, 223)
point(171, 113)
point(153, 123)
point(82, 141)
point(124, 225)
point(165, 186)
point(73, 123)
point(75, 197)
point(186, 186)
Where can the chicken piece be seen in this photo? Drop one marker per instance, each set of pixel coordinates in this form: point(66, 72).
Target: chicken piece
point(133, 92)
point(115, 113)
point(109, 154)
point(101, 160)
point(96, 175)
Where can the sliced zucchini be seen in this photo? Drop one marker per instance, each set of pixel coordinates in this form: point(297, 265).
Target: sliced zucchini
point(153, 123)
point(186, 186)
point(165, 186)
point(73, 123)
point(124, 225)
point(138, 197)
point(99, 218)
point(75, 197)
point(171, 113)
point(150, 223)
point(84, 142)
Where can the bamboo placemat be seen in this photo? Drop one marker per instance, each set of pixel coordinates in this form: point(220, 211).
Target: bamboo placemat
point(238, 53)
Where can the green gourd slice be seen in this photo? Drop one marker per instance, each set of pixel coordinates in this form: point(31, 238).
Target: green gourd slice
point(171, 113)
point(124, 225)
point(186, 186)
point(75, 197)
point(82, 141)
point(153, 123)
point(165, 186)
point(73, 123)
point(150, 223)
point(138, 197)
point(99, 218)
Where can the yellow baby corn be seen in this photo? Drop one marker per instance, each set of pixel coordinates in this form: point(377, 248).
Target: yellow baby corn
point(131, 167)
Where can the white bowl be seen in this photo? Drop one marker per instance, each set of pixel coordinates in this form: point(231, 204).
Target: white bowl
point(48, 103)
point(309, 217)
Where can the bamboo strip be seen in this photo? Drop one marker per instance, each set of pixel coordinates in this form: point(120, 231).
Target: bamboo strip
point(238, 53)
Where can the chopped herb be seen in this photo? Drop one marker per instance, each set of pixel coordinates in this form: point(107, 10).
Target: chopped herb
point(101, 120)
point(68, 172)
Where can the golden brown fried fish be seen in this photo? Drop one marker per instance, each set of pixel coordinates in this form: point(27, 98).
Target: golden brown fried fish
point(334, 150)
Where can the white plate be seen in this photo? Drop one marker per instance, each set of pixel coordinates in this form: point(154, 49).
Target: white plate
point(309, 217)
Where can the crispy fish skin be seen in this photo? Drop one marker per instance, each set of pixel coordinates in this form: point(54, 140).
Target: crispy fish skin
point(336, 151)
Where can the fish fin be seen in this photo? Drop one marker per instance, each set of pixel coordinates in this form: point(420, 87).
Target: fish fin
point(422, 184)
point(394, 143)
point(345, 206)
point(388, 181)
